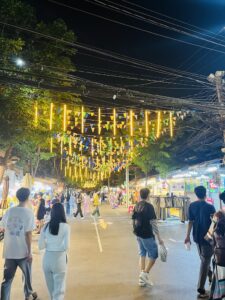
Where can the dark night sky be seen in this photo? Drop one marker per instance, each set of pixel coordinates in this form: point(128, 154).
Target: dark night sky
point(208, 14)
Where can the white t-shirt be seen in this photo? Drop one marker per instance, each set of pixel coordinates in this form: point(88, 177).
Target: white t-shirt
point(52, 242)
point(16, 222)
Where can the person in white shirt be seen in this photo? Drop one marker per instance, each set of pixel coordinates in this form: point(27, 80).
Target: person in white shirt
point(17, 225)
point(54, 238)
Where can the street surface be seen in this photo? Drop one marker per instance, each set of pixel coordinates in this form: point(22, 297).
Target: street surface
point(103, 263)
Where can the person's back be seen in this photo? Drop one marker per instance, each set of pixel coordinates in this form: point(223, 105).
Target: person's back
point(18, 224)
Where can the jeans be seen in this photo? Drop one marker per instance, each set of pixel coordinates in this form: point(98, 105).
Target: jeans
point(79, 211)
point(205, 253)
point(96, 211)
point(148, 247)
point(9, 273)
point(54, 266)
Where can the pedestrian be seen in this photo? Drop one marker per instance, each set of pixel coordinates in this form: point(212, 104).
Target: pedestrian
point(68, 203)
point(41, 211)
point(145, 228)
point(54, 238)
point(216, 235)
point(96, 203)
point(72, 203)
point(200, 213)
point(79, 208)
point(18, 224)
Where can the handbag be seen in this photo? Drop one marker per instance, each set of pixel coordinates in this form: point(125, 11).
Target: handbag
point(163, 253)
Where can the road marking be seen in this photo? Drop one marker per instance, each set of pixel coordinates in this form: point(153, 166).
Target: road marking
point(98, 236)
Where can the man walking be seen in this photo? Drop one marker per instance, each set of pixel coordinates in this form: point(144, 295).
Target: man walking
point(200, 213)
point(96, 203)
point(18, 224)
point(79, 209)
point(145, 228)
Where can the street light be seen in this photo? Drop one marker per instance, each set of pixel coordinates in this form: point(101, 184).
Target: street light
point(20, 62)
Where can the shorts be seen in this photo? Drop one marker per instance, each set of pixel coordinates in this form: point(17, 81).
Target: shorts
point(148, 247)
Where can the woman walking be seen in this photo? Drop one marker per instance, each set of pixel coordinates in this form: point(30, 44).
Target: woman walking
point(41, 211)
point(54, 239)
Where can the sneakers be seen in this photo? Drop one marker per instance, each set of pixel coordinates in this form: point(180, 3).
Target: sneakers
point(32, 297)
point(144, 279)
point(203, 294)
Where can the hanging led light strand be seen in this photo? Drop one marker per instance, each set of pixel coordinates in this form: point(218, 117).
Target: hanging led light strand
point(114, 122)
point(171, 125)
point(131, 123)
point(70, 146)
point(64, 117)
point(82, 119)
point(51, 145)
point(36, 114)
point(146, 123)
point(51, 116)
point(158, 133)
point(99, 121)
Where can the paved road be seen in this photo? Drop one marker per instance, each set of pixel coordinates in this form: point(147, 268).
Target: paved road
point(113, 273)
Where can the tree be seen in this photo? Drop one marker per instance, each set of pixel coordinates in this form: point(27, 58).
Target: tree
point(154, 157)
point(44, 61)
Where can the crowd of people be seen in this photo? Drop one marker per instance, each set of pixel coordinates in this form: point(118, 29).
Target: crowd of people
point(18, 223)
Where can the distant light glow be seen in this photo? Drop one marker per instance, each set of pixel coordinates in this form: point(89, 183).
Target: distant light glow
point(20, 62)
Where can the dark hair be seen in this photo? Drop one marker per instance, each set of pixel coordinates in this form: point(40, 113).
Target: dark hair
point(200, 192)
point(222, 196)
point(23, 194)
point(57, 216)
point(144, 193)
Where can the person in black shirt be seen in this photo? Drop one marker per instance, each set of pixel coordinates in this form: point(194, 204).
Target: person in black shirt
point(200, 213)
point(145, 228)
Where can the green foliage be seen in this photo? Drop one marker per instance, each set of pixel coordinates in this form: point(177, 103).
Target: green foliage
point(47, 60)
point(155, 157)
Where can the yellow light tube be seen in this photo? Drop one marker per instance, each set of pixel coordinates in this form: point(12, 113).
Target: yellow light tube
point(61, 146)
point(64, 117)
point(171, 125)
point(82, 119)
point(51, 116)
point(99, 121)
point(100, 145)
point(114, 122)
point(92, 147)
point(146, 123)
point(61, 164)
point(158, 133)
point(70, 146)
point(131, 123)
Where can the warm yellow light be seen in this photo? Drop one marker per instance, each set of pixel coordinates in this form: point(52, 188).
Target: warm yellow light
point(51, 116)
point(131, 123)
point(82, 119)
point(146, 123)
point(92, 147)
point(99, 121)
point(36, 114)
point(114, 122)
point(100, 145)
point(65, 171)
point(64, 117)
point(70, 172)
point(158, 133)
point(171, 124)
point(70, 146)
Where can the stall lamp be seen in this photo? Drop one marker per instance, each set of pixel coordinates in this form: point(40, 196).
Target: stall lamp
point(20, 62)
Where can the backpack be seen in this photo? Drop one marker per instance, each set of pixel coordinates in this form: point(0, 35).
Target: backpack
point(219, 251)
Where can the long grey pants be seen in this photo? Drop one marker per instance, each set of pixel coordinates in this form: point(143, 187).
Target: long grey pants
point(205, 253)
point(9, 273)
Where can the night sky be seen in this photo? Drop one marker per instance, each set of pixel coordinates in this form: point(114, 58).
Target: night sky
point(208, 14)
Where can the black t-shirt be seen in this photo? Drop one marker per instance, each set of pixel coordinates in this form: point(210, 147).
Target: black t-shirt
point(143, 213)
point(200, 213)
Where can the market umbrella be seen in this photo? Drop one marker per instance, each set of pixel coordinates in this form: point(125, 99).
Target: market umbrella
point(27, 181)
point(5, 192)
